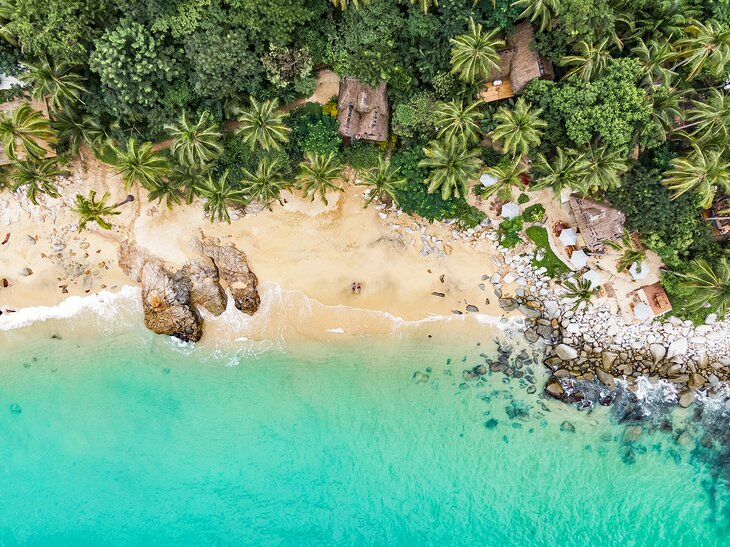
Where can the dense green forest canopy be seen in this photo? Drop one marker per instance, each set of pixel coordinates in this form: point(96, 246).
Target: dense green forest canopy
point(637, 114)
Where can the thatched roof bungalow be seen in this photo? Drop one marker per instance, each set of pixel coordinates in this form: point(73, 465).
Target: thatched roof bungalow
point(597, 222)
point(363, 111)
point(518, 66)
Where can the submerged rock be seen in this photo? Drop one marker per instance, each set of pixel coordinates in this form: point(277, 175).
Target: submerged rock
point(554, 388)
point(567, 427)
point(420, 377)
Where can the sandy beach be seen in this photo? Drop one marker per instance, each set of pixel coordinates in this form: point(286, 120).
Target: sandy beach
point(301, 246)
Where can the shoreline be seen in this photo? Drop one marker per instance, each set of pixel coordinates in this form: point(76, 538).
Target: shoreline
point(410, 270)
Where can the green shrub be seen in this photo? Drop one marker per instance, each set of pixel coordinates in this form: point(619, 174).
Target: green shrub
point(312, 131)
point(489, 156)
point(550, 261)
point(509, 232)
point(523, 198)
point(362, 155)
point(534, 213)
point(415, 118)
point(414, 199)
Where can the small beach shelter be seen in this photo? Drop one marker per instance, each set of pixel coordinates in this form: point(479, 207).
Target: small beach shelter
point(510, 210)
point(594, 278)
point(487, 180)
point(642, 311)
point(579, 259)
point(568, 237)
point(634, 270)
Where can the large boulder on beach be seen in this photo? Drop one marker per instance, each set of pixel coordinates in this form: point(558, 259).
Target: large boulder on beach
point(565, 352)
point(166, 296)
point(677, 348)
point(167, 303)
point(206, 290)
point(233, 269)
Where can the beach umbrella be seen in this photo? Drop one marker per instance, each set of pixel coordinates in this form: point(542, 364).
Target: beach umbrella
point(510, 210)
point(594, 278)
point(634, 270)
point(579, 259)
point(642, 312)
point(568, 236)
point(488, 180)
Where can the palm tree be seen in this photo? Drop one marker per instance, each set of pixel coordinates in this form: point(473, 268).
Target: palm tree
point(188, 180)
point(451, 167)
point(342, 4)
point(654, 56)
point(710, 119)
point(590, 62)
point(426, 4)
point(57, 82)
point(599, 168)
point(665, 111)
point(508, 175)
point(518, 129)
point(194, 145)
point(8, 11)
point(561, 171)
point(73, 130)
point(384, 180)
point(665, 20)
point(140, 163)
point(92, 210)
point(474, 54)
point(170, 189)
point(581, 291)
point(266, 183)
point(38, 176)
point(456, 120)
point(631, 252)
point(22, 129)
point(261, 125)
point(219, 194)
point(318, 174)
point(544, 10)
point(710, 285)
point(704, 45)
point(702, 171)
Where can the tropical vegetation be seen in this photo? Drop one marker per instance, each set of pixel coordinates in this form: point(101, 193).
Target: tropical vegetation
point(204, 100)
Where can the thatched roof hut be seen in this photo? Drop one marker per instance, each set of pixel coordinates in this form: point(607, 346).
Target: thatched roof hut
point(518, 66)
point(363, 111)
point(597, 222)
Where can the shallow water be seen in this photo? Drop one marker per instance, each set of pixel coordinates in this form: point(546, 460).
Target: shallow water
point(135, 440)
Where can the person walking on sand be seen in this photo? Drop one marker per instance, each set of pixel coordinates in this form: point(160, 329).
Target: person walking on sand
point(359, 287)
point(353, 287)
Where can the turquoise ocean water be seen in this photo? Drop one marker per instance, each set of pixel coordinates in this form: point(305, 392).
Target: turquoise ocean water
point(132, 440)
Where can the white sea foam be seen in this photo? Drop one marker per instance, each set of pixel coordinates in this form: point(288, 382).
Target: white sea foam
point(105, 304)
point(281, 313)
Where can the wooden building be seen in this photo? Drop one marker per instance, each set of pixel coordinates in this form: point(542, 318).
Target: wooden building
point(518, 66)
